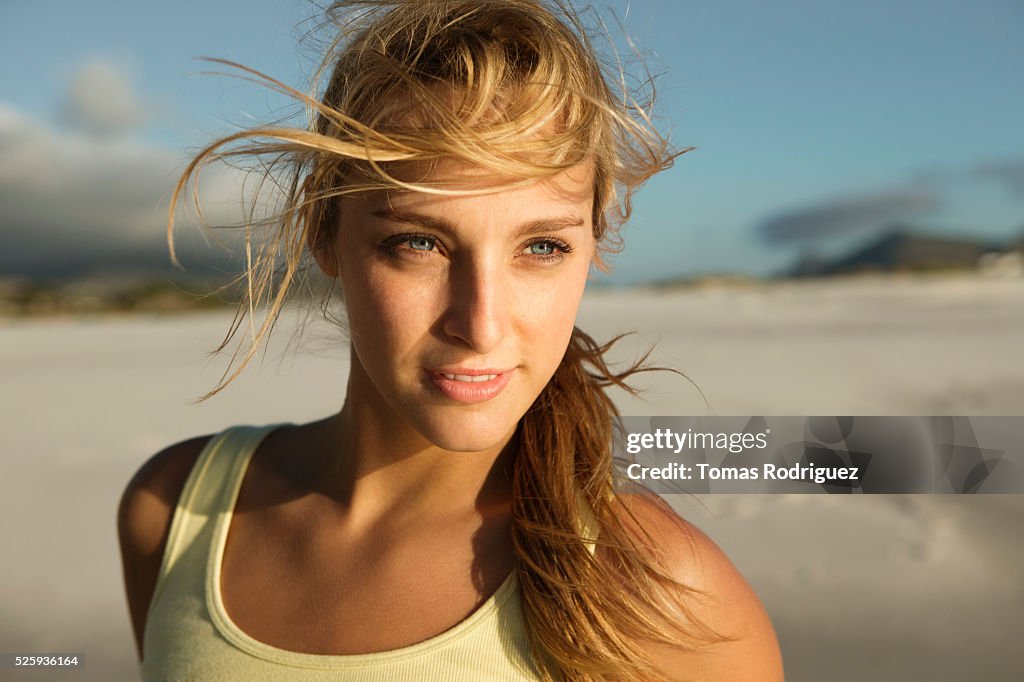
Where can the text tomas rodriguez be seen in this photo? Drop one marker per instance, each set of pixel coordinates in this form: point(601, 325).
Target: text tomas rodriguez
point(702, 471)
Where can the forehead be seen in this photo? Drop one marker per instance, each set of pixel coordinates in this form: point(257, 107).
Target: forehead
point(452, 182)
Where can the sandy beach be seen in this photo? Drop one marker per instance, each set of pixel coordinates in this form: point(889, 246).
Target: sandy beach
point(859, 587)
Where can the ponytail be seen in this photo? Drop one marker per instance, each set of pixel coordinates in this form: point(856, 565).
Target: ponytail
point(588, 616)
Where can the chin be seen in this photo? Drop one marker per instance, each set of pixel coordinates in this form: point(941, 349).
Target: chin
point(467, 432)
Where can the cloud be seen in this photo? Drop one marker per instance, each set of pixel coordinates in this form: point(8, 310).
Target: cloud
point(101, 100)
point(66, 190)
point(72, 203)
point(89, 195)
point(1009, 174)
point(848, 215)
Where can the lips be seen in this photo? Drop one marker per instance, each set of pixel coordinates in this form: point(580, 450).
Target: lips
point(470, 385)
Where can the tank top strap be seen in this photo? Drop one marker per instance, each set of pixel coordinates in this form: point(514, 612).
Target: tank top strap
point(589, 527)
point(211, 487)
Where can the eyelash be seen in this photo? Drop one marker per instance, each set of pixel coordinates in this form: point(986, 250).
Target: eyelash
point(392, 245)
point(396, 243)
point(562, 247)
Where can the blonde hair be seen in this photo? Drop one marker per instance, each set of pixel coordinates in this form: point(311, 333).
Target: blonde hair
point(513, 87)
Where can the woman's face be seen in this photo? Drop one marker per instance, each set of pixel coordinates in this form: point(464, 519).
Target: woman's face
point(460, 308)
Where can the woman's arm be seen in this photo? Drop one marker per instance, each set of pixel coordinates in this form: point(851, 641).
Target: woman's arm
point(731, 607)
point(144, 518)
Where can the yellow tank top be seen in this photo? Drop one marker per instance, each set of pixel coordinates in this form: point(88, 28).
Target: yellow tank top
point(189, 635)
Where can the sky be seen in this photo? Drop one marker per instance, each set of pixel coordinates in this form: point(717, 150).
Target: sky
point(816, 125)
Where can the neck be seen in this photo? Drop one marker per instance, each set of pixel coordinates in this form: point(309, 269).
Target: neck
point(376, 465)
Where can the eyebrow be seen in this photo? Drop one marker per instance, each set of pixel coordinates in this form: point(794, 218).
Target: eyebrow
point(441, 225)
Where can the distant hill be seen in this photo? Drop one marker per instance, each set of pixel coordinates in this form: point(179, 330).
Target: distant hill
point(902, 249)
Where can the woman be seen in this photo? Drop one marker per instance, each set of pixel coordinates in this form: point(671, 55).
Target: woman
point(456, 519)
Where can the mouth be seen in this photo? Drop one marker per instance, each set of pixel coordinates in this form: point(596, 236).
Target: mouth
point(470, 385)
point(469, 377)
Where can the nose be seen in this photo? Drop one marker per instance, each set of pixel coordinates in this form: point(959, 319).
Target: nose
point(478, 315)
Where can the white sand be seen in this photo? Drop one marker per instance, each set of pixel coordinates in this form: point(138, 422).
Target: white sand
point(864, 587)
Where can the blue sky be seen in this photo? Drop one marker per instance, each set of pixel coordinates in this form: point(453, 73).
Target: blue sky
point(816, 123)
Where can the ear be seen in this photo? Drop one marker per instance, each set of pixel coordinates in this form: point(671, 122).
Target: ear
point(323, 252)
point(319, 240)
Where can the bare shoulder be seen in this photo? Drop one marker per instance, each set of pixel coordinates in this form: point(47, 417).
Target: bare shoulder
point(144, 517)
point(729, 606)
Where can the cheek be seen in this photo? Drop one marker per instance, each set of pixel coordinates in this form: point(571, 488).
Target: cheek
point(549, 314)
point(554, 308)
point(389, 315)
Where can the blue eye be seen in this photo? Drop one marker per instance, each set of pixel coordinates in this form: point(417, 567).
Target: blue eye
point(420, 243)
point(411, 246)
point(546, 250)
